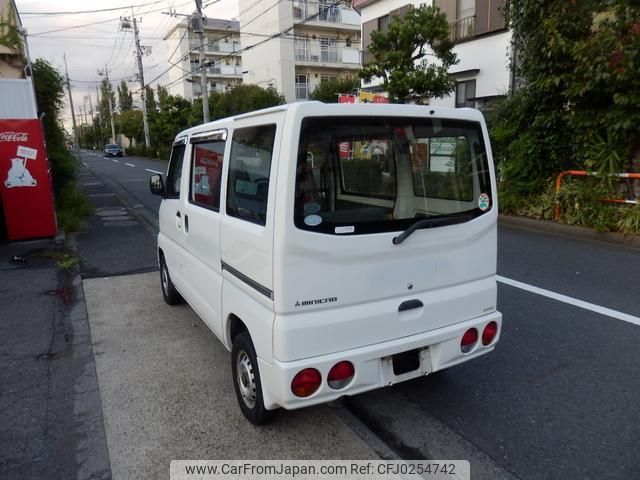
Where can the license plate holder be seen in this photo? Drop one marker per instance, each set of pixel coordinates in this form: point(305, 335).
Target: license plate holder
point(406, 365)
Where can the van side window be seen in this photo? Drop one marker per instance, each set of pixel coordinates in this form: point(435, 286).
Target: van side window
point(175, 171)
point(206, 172)
point(249, 170)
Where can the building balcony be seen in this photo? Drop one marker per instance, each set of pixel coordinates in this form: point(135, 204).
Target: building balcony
point(462, 29)
point(366, 57)
point(327, 54)
point(327, 14)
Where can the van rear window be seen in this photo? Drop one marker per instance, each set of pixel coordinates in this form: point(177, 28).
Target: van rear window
point(376, 174)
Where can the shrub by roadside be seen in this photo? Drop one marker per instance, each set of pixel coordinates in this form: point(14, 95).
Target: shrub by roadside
point(580, 204)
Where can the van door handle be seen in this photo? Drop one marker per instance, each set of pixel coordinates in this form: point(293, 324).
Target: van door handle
point(410, 305)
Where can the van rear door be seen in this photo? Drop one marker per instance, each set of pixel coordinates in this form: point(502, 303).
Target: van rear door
point(361, 182)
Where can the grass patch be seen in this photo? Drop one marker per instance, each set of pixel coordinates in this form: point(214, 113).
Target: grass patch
point(72, 209)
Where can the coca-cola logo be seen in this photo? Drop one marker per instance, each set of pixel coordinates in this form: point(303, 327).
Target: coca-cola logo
point(14, 137)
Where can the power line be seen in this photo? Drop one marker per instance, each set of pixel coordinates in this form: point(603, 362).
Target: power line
point(92, 11)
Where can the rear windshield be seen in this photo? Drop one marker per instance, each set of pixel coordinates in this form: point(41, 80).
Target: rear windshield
point(377, 174)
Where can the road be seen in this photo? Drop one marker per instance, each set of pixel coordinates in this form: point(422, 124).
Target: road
point(559, 396)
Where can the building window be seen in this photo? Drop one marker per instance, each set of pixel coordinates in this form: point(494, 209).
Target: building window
point(302, 87)
point(466, 94)
point(383, 23)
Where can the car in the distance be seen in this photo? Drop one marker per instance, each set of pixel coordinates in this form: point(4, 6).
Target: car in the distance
point(113, 150)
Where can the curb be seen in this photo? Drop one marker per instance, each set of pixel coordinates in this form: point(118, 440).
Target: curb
point(561, 229)
point(92, 450)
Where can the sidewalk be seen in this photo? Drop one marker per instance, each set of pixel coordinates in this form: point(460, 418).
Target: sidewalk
point(51, 420)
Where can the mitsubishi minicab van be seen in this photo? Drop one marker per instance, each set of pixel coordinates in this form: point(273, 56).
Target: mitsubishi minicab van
point(333, 248)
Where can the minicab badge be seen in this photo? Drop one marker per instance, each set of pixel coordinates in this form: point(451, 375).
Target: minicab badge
point(483, 202)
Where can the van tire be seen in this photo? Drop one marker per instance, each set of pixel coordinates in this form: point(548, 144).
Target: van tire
point(246, 380)
point(169, 292)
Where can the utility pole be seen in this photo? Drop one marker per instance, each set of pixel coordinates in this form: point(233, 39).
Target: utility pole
point(197, 25)
point(126, 25)
point(113, 127)
point(73, 114)
point(99, 117)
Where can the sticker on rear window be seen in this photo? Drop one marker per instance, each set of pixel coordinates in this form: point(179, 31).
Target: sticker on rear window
point(483, 202)
point(313, 220)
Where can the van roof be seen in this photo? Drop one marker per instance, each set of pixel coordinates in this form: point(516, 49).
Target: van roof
point(315, 108)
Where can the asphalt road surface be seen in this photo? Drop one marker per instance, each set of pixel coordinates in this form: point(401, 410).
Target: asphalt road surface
point(559, 397)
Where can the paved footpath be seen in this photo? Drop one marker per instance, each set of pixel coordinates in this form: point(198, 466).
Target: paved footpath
point(165, 383)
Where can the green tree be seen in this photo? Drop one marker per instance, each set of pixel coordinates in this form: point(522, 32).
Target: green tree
point(125, 98)
point(578, 104)
point(242, 99)
point(49, 85)
point(401, 56)
point(106, 94)
point(329, 91)
point(150, 99)
point(162, 96)
point(130, 124)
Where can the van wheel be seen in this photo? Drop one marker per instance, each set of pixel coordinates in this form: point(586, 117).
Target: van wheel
point(246, 380)
point(169, 292)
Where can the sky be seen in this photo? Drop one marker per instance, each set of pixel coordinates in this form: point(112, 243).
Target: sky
point(94, 40)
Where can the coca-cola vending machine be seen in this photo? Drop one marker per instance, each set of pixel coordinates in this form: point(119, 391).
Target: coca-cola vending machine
point(25, 181)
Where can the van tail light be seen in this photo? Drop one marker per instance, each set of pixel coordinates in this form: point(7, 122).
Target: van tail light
point(469, 339)
point(489, 333)
point(306, 382)
point(340, 375)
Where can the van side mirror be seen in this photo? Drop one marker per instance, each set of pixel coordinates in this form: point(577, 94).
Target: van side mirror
point(156, 185)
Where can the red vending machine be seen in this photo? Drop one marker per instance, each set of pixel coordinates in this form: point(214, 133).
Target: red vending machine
point(25, 181)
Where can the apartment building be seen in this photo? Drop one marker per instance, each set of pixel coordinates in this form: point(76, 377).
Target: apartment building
point(222, 57)
point(295, 45)
point(12, 43)
point(482, 43)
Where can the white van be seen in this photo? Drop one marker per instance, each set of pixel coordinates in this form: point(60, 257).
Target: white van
point(333, 249)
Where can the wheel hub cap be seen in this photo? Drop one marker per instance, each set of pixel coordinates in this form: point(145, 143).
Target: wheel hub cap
point(246, 379)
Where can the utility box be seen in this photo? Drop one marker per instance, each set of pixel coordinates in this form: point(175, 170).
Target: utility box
point(25, 181)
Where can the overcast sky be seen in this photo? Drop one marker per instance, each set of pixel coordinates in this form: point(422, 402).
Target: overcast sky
point(93, 40)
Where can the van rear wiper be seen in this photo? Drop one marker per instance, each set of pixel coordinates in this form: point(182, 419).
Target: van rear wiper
point(439, 221)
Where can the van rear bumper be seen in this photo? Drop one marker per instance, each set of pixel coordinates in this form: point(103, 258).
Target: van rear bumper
point(372, 364)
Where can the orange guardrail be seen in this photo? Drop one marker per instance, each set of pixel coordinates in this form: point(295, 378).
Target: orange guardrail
point(583, 173)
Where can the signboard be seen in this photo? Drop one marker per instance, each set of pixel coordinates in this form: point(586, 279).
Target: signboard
point(25, 181)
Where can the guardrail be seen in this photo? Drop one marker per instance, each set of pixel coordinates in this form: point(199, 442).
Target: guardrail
point(583, 173)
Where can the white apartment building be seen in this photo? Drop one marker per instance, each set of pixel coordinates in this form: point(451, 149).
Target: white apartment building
point(482, 43)
point(222, 54)
point(313, 41)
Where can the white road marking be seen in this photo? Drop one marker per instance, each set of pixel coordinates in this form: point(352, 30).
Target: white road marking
point(92, 183)
point(570, 300)
point(116, 161)
point(85, 164)
point(154, 171)
point(129, 164)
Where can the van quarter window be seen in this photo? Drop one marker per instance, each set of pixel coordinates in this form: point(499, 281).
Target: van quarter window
point(359, 175)
point(175, 171)
point(206, 171)
point(249, 170)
